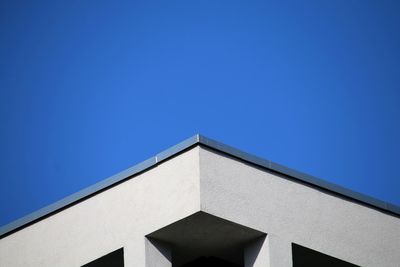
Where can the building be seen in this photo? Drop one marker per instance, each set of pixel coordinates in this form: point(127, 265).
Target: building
point(203, 203)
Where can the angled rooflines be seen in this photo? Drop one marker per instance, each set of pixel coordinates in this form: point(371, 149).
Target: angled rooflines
point(179, 148)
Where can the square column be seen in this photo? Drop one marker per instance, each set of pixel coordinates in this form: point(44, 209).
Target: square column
point(158, 254)
point(135, 253)
point(268, 251)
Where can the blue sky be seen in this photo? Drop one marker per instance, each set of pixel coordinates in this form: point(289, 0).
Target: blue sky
point(89, 88)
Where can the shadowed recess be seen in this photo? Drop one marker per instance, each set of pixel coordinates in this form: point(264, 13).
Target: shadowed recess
point(305, 257)
point(113, 259)
point(204, 238)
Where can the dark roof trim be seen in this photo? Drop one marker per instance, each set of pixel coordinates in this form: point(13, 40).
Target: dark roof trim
point(175, 150)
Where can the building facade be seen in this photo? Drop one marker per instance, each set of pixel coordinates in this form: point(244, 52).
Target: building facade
point(202, 203)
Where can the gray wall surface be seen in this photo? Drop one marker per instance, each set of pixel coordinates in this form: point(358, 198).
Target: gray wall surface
point(117, 217)
point(297, 213)
point(203, 180)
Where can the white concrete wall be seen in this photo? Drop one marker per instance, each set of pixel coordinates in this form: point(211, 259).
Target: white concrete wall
point(202, 180)
point(118, 217)
point(293, 212)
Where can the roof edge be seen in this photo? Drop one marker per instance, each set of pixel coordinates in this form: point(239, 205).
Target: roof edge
point(301, 177)
point(177, 149)
point(97, 187)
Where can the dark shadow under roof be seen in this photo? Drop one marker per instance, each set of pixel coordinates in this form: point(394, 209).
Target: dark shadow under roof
point(179, 148)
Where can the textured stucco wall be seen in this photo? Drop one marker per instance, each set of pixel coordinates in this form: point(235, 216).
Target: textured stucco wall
point(253, 197)
point(196, 180)
point(118, 217)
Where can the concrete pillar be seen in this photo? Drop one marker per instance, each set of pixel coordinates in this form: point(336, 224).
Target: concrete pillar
point(268, 251)
point(135, 253)
point(158, 254)
point(255, 253)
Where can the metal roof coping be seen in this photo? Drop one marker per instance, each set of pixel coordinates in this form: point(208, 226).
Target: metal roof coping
point(179, 148)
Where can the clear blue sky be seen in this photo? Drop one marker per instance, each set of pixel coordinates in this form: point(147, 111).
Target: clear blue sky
point(89, 88)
